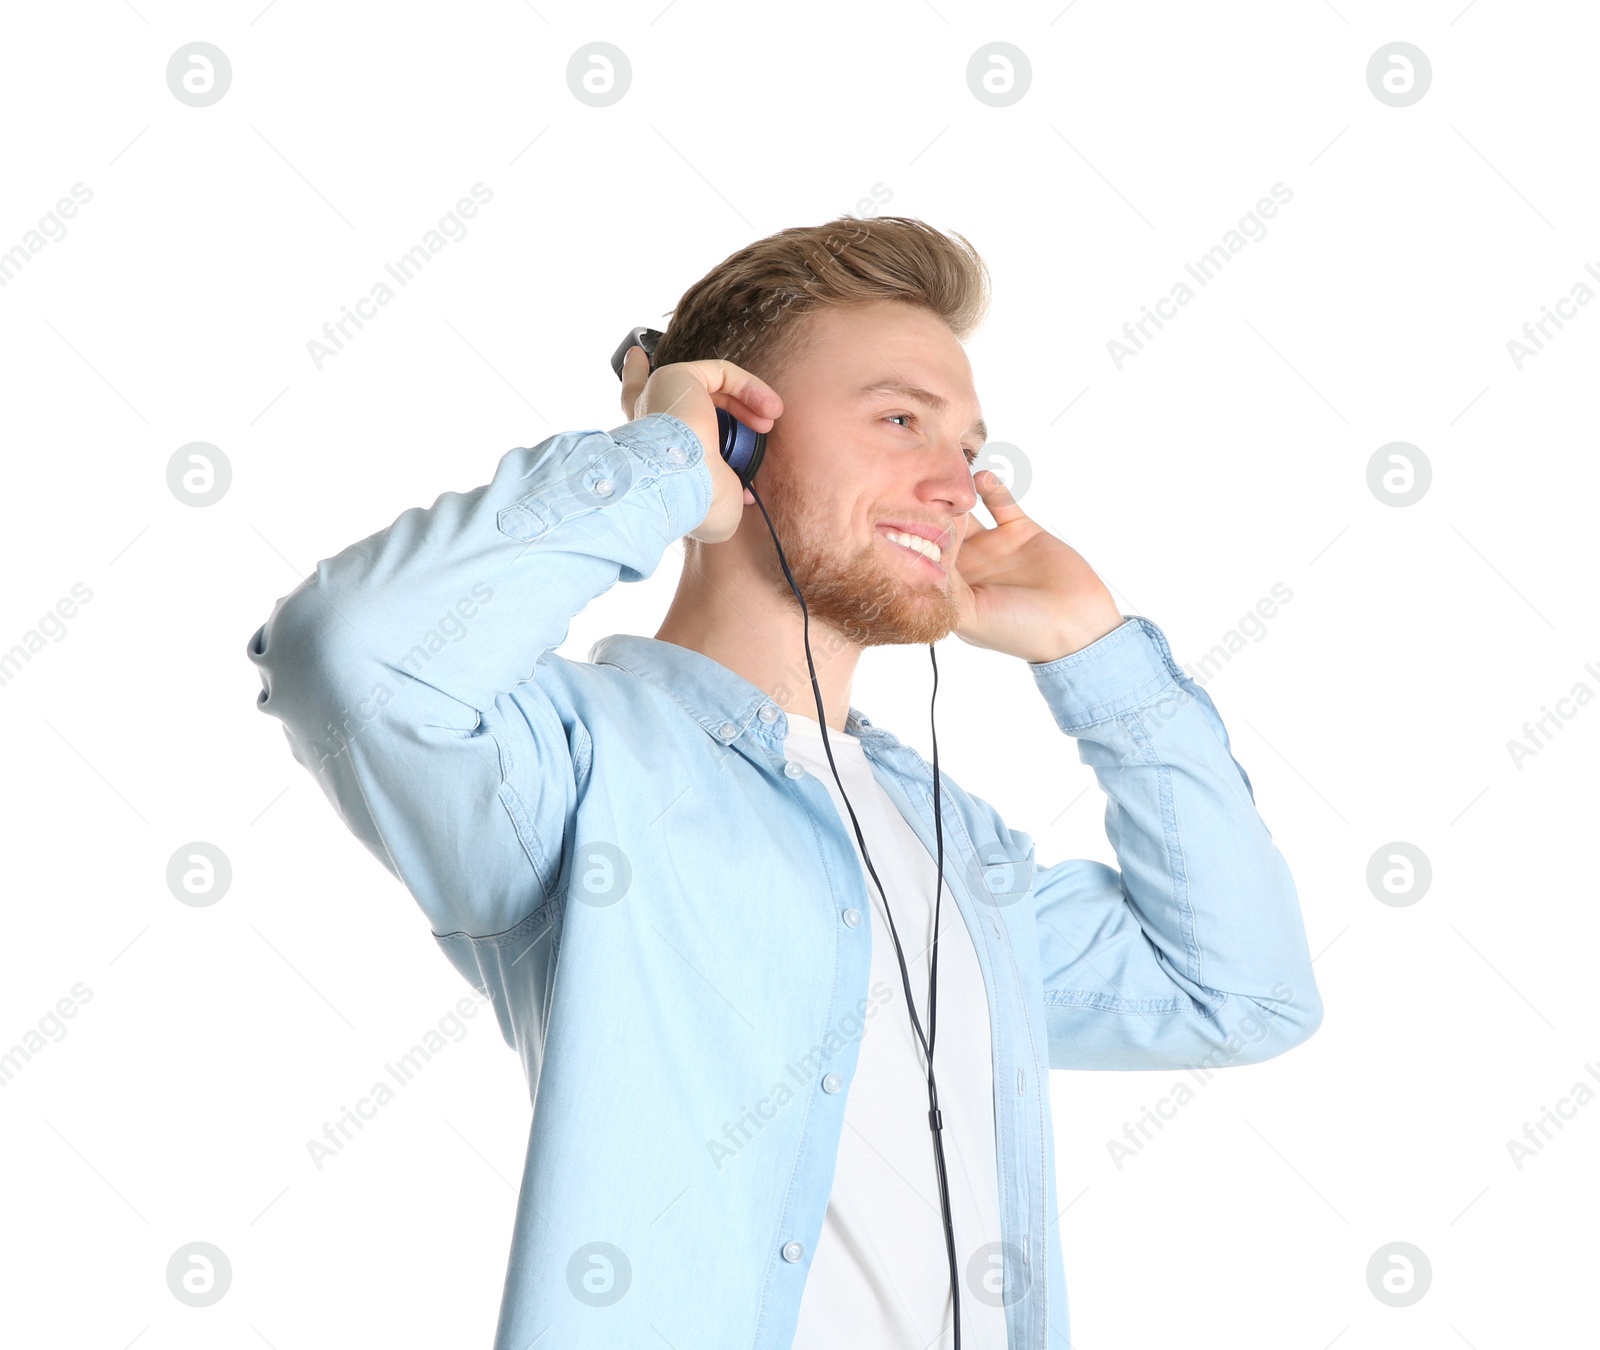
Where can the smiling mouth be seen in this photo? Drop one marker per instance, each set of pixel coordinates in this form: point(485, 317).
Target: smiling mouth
point(913, 552)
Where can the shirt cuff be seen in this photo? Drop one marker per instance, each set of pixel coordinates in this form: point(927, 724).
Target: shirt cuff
point(672, 450)
point(1127, 668)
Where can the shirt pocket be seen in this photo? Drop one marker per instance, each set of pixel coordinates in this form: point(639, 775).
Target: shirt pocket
point(996, 863)
point(1004, 870)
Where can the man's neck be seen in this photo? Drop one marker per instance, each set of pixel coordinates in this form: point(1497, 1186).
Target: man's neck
point(776, 664)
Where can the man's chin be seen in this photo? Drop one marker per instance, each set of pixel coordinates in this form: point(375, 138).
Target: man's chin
point(868, 601)
point(920, 630)
point(913, 616)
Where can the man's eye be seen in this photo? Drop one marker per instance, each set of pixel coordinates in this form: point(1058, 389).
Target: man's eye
point(972, 455)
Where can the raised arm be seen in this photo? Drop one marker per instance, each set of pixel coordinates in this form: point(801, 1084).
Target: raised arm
point(406, 669)
point(1191, 952)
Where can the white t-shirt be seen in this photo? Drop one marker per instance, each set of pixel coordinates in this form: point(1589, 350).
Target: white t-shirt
point(880, 1276)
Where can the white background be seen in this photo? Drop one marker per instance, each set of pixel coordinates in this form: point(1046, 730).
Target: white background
point(1228, 455)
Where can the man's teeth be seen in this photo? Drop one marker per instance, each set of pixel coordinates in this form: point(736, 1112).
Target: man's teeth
point(926, 547)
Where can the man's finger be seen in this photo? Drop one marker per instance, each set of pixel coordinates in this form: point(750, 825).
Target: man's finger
point(635, 374)
point(997, 497)
point(754, 393)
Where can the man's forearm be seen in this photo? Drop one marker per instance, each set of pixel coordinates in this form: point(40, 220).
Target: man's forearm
point(468, 594)
point(1197, 943)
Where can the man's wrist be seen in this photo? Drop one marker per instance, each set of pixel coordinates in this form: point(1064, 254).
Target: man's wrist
point(1076, 639)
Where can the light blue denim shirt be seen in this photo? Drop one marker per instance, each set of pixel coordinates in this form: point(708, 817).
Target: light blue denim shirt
point(670, 918)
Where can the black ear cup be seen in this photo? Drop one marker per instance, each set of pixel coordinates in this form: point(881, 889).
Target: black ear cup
point(741, 447)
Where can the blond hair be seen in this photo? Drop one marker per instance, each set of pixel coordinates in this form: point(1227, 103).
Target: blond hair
point(747, 308)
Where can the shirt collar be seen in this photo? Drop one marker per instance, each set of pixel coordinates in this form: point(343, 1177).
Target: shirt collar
point(725, 704)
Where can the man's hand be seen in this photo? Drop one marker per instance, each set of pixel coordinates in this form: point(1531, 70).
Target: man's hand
point(692, 391)
point(1021, 590)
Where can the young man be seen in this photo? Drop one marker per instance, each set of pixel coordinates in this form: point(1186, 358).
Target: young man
point(644, 860)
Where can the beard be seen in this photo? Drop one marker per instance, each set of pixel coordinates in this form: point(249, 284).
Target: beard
point(866, 596)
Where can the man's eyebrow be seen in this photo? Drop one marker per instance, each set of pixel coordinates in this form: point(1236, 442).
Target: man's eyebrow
point(917, 394)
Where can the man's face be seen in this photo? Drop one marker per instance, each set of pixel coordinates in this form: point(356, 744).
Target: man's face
point(848, 465)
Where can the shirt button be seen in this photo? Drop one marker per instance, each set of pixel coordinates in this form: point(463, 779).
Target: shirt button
point(604, 487)
point(793, 1251)
point(831, 1082)
point(768, 713)
point(728, 729)
point(676, 455)
point(795, 769)
point(853, 917)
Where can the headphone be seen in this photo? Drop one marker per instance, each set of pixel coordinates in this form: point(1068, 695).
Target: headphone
point(744, 449)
